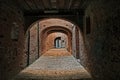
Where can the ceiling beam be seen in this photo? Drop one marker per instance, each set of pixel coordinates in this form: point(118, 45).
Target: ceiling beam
point(61, 4)
point(54, 4)
point(46, 4)
point(76, 4)
point(42, 3)
point(28, 4)
point(21, 4)
point(70, 3)
point(34, 2)
point(58, 3)
point(50, 4)
point(85, 3)
point(66, 4)
point(38, 4)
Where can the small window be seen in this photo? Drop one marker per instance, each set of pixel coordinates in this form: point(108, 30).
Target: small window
point(88, 25)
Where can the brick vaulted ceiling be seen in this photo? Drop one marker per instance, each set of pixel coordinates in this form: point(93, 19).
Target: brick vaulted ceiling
point(34, 6)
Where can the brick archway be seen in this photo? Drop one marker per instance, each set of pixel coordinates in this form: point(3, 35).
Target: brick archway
point(53, 29)
point(52, 25)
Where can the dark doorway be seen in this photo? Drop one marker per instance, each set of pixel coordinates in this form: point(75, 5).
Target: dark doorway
point(57, 42)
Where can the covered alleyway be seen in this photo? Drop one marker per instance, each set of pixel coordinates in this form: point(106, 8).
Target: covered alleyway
point(33, 34)
point(51, 46)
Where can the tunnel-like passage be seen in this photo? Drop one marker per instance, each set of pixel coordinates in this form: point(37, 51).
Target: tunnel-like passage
point(98, 21)
point(55, 47)
point(50, 33)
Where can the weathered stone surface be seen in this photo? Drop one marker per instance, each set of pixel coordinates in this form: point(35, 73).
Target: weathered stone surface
point(56, 64)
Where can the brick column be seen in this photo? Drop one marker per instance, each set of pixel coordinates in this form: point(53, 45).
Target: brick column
point(28, 47)
point(77, 43)
point(38, 40)
point(74, 41)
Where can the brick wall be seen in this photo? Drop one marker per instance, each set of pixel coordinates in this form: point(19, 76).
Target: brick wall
point(103, 42)
point(11, 41)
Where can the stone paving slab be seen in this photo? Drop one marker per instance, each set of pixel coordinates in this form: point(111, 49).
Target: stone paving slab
point(52, 67)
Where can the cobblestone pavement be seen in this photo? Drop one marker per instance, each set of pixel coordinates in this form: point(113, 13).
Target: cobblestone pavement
point(56, 64)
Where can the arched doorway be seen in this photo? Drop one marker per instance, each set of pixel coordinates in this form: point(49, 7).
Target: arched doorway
point(57, 42)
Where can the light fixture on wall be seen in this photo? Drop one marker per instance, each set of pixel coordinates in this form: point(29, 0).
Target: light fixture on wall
point(15, 31)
